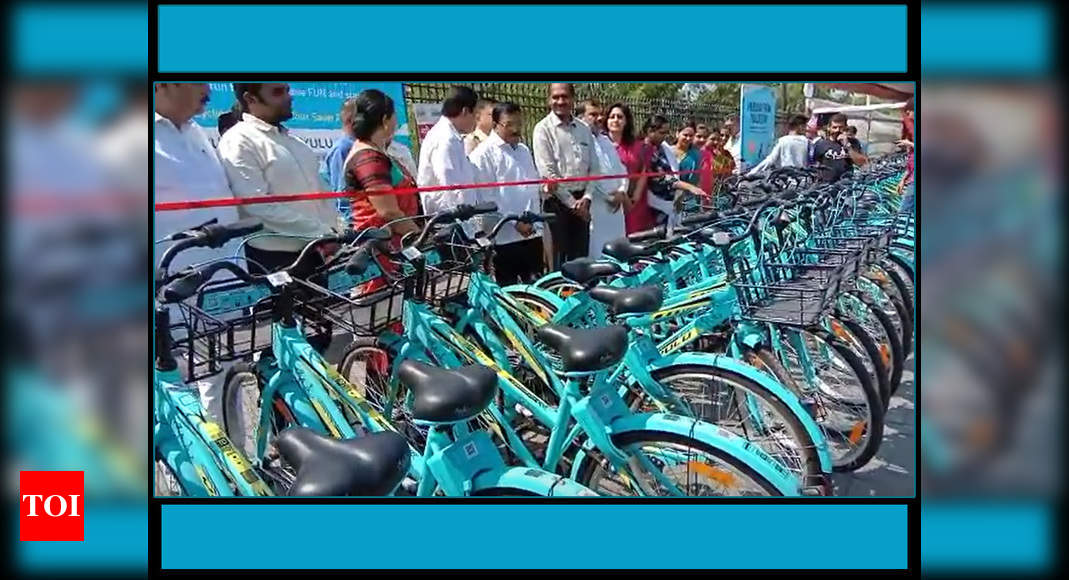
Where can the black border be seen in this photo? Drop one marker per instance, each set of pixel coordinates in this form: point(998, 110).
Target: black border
point(912, 74)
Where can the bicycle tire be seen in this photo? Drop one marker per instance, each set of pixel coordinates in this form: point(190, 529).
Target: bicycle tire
point(875, 323)
point(807, 463)
point(174, 484)
point(897, 273)
point(869, 393)
point(590, 467)
point(871, 351)
point(898, 357)
point(893, 305)
point(364, 346)
point(235, 379)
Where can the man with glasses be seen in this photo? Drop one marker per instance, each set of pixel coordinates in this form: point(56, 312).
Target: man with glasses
point(501, 158)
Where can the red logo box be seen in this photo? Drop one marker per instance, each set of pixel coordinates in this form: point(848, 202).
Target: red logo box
point(51, 506)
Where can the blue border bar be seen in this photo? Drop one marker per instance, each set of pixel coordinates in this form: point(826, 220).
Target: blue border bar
point(68, 38)
point(997, 39)
point(116, 542)
point(652, 535)
point(536, 38)
point(983, 537)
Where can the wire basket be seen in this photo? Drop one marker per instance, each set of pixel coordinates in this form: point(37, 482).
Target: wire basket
point(370, 306)
point(231, 320)
point(796, 294)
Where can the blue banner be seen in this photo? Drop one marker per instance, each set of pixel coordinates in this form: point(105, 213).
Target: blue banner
point(316, 110)
point(757, 123)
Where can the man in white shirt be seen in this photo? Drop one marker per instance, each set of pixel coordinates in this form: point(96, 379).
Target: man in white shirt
point(484, 123)
point(606, 215)
point(261, 157)
point(733, 141)
point(502, 158)
point(186, 167)
point(442, 160)
point(564, 148)
point(791, 150)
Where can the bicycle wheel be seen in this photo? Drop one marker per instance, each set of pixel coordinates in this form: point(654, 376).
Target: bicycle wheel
point(366, 365)
point(241, 407)
point(166, 482)
point(846, 402)
point(890, 331)
point(884, 277)
point(866, 349)
point(900, 277)
point(745, 408)
point(892, 309)
point(693, 467)
point(858, 308)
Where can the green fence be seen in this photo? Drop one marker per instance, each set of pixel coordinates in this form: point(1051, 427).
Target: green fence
point(533, 100)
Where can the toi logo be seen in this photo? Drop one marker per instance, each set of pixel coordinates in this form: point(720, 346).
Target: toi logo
point(50, 506)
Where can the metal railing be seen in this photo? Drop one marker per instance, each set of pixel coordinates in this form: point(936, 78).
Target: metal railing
point(533, 100)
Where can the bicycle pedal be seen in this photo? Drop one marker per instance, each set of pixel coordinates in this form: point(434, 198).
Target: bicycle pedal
point(409, 486)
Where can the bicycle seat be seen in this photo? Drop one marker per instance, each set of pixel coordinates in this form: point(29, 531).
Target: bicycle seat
point(623, 249)
point(585, 349)
point(640, 300)
point(584, 270)
point(373, 464)
point(448, 396)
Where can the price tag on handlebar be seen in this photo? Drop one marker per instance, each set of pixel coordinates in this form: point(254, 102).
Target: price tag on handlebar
point(412, 254)
point(279, 279)
point(482, 242)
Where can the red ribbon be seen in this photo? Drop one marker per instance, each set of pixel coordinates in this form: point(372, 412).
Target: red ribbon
point(282, 198)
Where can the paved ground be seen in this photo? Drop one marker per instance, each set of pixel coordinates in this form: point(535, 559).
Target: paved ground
point(893, 471)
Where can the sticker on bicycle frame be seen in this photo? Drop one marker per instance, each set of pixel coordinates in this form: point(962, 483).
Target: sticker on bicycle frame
point(206, 481)
point(606, 401)
point(220, 301)
point(279, 279)
point(234, 457)
point(470, 450)
point(411, 253)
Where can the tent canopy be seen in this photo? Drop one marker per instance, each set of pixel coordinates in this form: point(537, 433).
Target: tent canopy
point(857, 108)
point(893, 91)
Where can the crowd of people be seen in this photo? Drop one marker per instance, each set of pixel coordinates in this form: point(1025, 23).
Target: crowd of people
point(476, 140)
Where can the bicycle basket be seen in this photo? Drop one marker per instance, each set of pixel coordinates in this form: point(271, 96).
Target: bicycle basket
point(230, 320)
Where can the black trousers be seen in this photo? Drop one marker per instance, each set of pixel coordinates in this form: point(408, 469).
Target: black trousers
point(275, 261)
point(570, 233)
point(269, 259)
point(518, 262)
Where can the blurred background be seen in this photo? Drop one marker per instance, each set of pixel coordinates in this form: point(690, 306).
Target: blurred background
point(77, 294)
point(991, 171)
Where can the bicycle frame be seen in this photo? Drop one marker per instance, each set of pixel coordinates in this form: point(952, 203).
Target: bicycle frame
point(198, 450)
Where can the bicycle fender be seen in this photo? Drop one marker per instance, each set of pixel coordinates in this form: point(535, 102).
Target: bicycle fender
point(740, 367)
point(735, 446)
point(537, 481)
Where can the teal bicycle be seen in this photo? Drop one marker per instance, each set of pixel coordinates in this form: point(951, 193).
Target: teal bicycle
point(593, 436)
point(289, 386)
point(193, 454)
